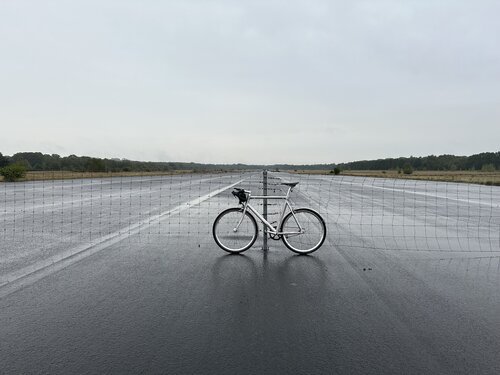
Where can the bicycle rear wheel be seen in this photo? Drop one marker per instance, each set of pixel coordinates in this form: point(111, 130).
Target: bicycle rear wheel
point(224, 230)
point(313, 231)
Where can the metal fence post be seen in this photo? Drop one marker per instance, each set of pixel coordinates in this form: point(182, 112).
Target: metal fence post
point(264, 212)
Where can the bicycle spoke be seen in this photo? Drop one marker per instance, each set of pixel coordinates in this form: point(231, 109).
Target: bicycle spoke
point(229, 239)
point(313, 231)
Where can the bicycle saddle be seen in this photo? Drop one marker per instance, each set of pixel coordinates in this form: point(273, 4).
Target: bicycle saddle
point(291, 184)
point(240, 194)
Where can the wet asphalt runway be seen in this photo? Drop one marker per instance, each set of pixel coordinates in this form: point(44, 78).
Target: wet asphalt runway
point(407, 281)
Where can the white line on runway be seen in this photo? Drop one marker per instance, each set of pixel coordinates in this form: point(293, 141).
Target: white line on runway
point(55, 205)
point(415, 193)
point(33, 273)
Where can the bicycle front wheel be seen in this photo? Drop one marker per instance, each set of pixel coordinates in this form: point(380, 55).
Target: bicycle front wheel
point(231, 239)
point(304, 231)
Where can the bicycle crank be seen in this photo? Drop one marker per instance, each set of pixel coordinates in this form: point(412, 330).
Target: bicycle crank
point(273, 236)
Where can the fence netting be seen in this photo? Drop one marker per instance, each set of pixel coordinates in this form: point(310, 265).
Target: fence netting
point(49, 219)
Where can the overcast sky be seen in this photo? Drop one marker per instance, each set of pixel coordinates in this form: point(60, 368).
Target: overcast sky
point(250, 81)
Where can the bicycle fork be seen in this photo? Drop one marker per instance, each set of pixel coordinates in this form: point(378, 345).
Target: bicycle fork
point(235, 229)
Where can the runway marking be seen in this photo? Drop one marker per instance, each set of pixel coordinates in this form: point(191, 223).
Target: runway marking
point(495, 205)
point(50, 206)
point(28, 275)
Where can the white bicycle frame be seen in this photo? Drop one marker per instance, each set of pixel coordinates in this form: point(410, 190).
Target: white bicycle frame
point(270, 229)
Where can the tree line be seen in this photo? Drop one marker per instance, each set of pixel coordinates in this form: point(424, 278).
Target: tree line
point(486, 161)
point(37, 161)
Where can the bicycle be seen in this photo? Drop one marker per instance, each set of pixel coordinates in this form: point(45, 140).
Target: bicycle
point(235, 230)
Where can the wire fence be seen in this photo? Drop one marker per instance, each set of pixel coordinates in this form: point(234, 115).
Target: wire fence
point(50, 219)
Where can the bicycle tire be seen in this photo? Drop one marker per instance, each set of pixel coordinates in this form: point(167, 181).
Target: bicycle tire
point(307, 220)
point(248, 227)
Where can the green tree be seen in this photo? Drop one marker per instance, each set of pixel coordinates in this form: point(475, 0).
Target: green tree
point(407, 169)
point(95, 165)
point(336, 170)
point(13, 172)
point(3, 161)
point(25, 163)
point(32, 160)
